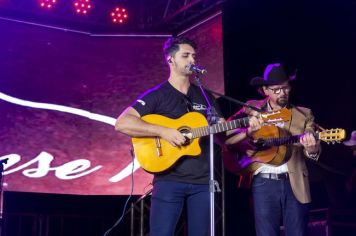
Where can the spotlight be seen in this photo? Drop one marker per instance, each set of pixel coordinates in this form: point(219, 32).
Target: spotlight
point(119, 15)
point(48, 4)
point(82, 6)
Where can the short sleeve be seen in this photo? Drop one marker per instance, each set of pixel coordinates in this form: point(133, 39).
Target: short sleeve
point(146, 103)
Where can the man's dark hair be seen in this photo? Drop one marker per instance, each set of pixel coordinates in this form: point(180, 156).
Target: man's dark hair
point(171, 46)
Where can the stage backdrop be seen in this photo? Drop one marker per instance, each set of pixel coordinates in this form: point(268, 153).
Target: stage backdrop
point(60, 93)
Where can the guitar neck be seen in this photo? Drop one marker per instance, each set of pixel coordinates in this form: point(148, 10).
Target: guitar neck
point(220, 127)
point(281, 141)
point(286, 140)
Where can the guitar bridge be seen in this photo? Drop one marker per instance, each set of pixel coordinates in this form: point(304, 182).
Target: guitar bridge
point(158, 146)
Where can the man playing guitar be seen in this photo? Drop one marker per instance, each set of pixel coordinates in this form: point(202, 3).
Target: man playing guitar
point(279, 192)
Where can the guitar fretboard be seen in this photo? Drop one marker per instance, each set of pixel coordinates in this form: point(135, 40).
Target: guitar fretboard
point(281, 141)
point(286, 140)
point(221, 127)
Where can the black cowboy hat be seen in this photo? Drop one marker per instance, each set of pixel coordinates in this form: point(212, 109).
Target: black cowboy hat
point(274, 74)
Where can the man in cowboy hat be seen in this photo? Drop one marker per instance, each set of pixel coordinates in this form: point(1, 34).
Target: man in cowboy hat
point(279, 192)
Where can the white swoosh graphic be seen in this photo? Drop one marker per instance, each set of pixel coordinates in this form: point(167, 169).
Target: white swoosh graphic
point(47, 106)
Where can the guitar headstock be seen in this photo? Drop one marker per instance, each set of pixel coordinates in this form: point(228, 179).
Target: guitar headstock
point(273, 117)
point(332, 135)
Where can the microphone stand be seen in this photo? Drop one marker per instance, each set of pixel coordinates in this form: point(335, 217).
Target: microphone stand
point(212, 118)
point(234, 100)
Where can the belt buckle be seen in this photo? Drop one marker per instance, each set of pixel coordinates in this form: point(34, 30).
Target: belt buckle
point(282, 176)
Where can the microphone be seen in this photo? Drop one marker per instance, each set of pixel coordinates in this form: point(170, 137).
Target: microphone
point(197, 69)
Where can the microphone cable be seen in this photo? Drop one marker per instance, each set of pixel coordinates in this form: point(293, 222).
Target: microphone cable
point(129, 197)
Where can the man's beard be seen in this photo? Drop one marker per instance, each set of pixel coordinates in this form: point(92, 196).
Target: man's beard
point(282, 102)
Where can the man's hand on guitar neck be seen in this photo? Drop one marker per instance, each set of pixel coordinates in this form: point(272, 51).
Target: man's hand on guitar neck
point(310, 144)
point(237, 135)
point(255, 124)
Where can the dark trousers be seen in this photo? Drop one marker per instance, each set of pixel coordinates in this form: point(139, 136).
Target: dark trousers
point(275, 202)
point(167, 203)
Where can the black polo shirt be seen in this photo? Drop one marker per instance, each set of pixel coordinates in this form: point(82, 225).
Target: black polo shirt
point(167, 101)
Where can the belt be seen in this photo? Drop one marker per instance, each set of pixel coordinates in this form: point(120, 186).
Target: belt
point(273, 176)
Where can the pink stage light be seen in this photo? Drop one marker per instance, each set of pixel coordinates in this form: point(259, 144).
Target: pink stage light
point(119, 15)
point(82, 6)
point(47, 4)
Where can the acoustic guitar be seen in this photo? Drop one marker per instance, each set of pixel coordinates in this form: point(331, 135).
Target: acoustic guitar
point(272, 147)
point(157, 155)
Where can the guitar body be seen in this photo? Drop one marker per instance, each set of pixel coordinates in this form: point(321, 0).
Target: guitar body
point(274, 155)
point(155, 154)
point(237, 161)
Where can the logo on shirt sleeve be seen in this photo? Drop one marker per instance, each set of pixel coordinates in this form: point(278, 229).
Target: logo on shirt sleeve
point(141, 102)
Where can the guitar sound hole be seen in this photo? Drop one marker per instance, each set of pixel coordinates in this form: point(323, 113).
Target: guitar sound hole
point(187, 134)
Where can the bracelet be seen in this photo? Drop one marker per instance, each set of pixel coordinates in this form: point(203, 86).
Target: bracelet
point(311, 155)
